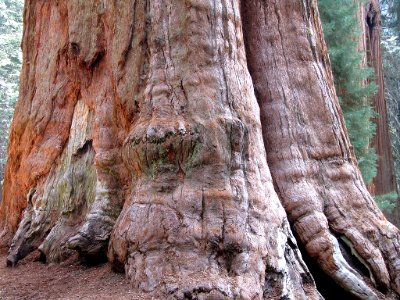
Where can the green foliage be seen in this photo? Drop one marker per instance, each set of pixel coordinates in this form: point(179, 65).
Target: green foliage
point(10, 64)
point(391, 14)
point(342, 32)
point(387, 202)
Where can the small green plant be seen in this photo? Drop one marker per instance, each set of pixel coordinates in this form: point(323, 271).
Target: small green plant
point(386, 202)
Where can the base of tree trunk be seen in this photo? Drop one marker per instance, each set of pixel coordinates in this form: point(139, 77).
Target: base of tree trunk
point(143, 142)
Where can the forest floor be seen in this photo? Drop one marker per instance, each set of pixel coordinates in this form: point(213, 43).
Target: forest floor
point(32, 279)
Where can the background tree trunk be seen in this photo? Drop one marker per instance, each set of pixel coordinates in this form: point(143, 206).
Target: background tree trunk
point(137, 135)
point(385, 180)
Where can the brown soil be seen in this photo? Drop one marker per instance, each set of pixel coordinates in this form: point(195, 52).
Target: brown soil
point(32, 279)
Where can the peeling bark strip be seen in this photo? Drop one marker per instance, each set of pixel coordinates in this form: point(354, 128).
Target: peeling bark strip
point(137, 135)
point(308, 150)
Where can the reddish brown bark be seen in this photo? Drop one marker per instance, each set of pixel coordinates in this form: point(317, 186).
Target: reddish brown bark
point(150, 104)
point(370, 44)
point(385, 181)
point(308, 150)
point(138, 135)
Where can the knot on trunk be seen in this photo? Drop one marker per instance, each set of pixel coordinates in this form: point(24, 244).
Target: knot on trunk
point(163, 148)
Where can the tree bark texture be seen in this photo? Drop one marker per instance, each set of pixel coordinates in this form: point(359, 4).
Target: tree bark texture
point(137, 136)
point(308, 150)
point(385, 181)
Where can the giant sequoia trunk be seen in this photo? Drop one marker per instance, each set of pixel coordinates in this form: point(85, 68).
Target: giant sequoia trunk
point(138, 136)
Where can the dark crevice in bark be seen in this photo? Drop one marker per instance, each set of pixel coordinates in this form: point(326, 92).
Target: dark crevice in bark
point(96, 59)
point(84, 149)
point(75, 49)
point(352, 259)
point(328, 288)
point(371, 18)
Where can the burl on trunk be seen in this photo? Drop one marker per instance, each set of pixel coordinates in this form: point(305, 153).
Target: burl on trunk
point(137, 138)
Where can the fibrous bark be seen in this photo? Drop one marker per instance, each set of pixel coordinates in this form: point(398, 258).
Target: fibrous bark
point(385, 180)
point(308, 150)
point(147, 104)
point(138, 136)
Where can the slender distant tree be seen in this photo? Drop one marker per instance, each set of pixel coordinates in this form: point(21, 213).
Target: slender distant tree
point(385, 181)
point(391, 59)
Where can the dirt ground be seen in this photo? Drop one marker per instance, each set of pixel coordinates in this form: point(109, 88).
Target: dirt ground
point(32, 279)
